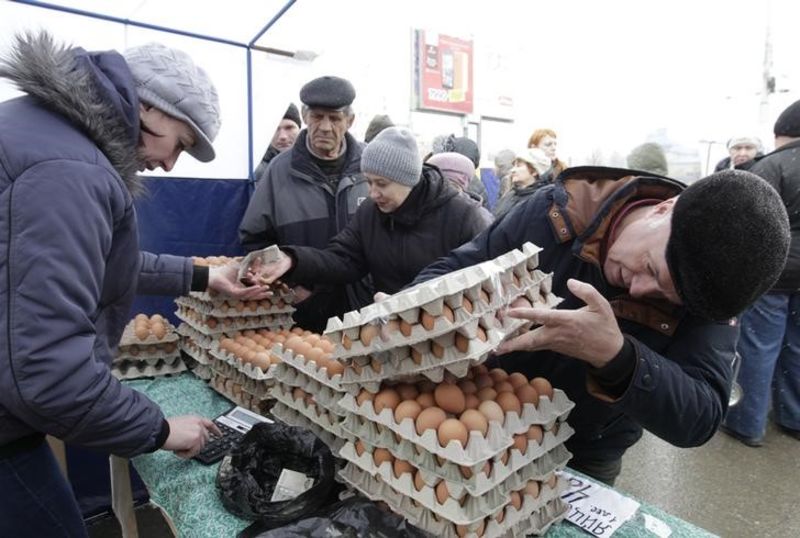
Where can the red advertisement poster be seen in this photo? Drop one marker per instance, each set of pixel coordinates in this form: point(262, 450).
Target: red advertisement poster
point(444, 72)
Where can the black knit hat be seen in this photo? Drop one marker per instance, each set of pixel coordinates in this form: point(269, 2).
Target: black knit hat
point(379, 123)
point(728, 243)
point(328, 92)
point(293, 114)
point(467, 148)
point(788, 123)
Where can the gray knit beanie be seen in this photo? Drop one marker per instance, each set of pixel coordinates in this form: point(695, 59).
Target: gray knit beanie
point(169, 80)
point(393, 154)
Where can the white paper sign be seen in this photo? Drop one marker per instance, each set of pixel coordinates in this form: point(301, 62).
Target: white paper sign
point(290, 485)
point(594, 508)
point(656, 526)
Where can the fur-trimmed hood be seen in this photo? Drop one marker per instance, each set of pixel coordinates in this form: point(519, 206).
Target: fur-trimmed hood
point(93, 90)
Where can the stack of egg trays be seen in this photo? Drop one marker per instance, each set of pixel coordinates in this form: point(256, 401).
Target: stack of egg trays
point(219, 307)
point(149, 367)
point(535, 516)
point(234, 391)
point(196, 346)
point(487, 287)
point(211, 325)
point(292, 417)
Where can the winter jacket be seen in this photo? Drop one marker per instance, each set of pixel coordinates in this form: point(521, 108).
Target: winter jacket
point(514, 196)
point(680, 384)
point(393, 247)
point(70, 262)
point(293, 204)
point(781, 168)
point(270, 154)
point(477, 188)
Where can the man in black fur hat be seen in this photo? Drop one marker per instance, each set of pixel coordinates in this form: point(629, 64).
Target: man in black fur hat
point(651, 273)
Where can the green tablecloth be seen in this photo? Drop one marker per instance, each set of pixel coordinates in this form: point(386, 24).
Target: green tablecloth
point(186, 490)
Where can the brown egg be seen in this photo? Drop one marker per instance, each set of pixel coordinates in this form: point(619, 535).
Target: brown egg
point(407, 409)
point(142, 318)
point(428, 321)
point(142, 333)
point(346, 342)
point(292, 342)
point(468, 386)
point(386, 399)
point(416, 356)
point(376, 365)
point(450, 398)
point(509, 402)
point(462, 343)
point(520, 443)
point(466, 304)
point(157, 318)
point(158, 330)
point(297, 330)
point(437, 350)
point(471, 401)
point(405, 328)
point(463, 530)
point(304, 349)
point(527, 394)
point(430, 419)
point(442, 493)
point(425, 400)
point(483, 295)
point(315, 355)
point(482, 334)
point(334, 368)
point(326, 344)
point(402, 467)
point(419, 482)
point(492, 411)
point(298, 393)
point(483, 381)
point(516, 500)
point(380, 455)
point(359, 446)
point(498, 375)
point(503, 386)
point(474, 421)
point(517, 380)
point(543, 387)
point(480, 369)
point(364, 396)
point(452, 429)
point(552, 481)
point(532, 488)
point(535, 433)
point(448, 314)
point(368, 332)
point(500, 515)
point(487, 394)
point(407, 391)
point(274, 359)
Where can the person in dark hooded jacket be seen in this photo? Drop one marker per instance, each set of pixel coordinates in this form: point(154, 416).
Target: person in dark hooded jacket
point(527, 171)
point(413, 217)
point(70, 265)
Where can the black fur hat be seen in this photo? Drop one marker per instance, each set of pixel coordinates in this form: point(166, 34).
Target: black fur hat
point(728, 243)
point(788, 123)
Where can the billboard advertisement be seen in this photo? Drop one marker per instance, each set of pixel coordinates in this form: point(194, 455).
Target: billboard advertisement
point(443, 72)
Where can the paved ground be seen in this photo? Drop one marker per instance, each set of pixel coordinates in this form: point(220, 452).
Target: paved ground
point(724, 487)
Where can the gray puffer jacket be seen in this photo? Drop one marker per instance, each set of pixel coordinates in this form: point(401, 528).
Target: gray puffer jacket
point(70, 262)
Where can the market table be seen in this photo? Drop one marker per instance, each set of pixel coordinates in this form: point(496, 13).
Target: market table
point(186, 489)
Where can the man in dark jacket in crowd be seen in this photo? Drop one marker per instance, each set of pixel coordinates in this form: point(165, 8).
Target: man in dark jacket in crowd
point(650, 272)
point(770, 329)
point(741, 152)
point(283, 139)
point(310, 192)
point(413, 217)
point(70, 265)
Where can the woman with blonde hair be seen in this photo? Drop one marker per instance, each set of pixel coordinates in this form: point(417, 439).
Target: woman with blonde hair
point(547, 141)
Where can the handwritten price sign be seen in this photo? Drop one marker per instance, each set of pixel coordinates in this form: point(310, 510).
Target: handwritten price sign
point(595, 508)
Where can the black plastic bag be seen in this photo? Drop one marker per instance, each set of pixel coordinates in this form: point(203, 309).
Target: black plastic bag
point(247, 478)
point(355, 517)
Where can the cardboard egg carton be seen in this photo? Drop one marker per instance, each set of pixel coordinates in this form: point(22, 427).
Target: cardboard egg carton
point(201, 371)
point(292, 417)
point(309, 368)
point(248, 369)
point(126, 369)
point(198, 353)
point(151, 351)
point(537, 459)
point(228, 325)
point(324, 395)
point(129, 336)
point(257, 388)
point(240, 309)
point(314, 412)
point(233, 392)
point(535, 516)
point(202, 340)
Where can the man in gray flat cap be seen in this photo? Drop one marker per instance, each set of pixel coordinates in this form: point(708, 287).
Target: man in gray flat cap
point(309, 193)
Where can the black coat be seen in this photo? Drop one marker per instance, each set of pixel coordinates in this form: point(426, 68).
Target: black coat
point(781, 169)
point(393, 247)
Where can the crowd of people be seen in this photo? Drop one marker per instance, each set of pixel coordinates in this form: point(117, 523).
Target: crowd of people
point(656, 276)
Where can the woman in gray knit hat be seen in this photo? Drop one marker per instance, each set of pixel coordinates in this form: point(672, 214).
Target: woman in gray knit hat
point(413, 216)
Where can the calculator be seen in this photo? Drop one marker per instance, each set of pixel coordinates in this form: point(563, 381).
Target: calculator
point(233, 424)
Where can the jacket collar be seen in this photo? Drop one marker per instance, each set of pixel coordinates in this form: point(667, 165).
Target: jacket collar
point(303, 165)
point(95, 91)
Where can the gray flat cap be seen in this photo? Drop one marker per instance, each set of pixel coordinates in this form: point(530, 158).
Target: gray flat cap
point(328, 92)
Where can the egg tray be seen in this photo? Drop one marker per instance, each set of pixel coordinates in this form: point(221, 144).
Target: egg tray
point(243, 399)
point(292, 417)
point(478, 448)
point(246, 368)
point(392, 338)
point(324, 395)
point(196, 352)
point(125, 360)
point(316, 413)
point(267, 321)
point(147, 352)
point(201, 339)
point(137, 369)
point(309, 368)
point(201, 371)
point(535, 516)
point(430, 295)
point(287, 296)
point(129, 337)
point(257, 388)
point(432, 468)
point(216, 309)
